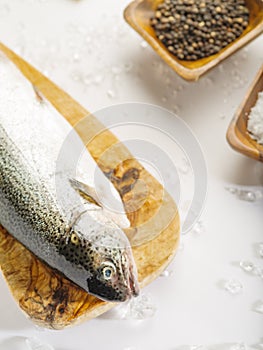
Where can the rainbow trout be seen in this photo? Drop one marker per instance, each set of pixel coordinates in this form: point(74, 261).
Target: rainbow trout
point(90, 250)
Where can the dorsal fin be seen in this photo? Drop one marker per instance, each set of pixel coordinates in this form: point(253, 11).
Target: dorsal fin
point(87, 192)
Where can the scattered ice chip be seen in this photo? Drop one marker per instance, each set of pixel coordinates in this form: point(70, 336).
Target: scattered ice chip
point(259, 345)
point(238, 346)
point(260, 249)
point(258, 271)
point(197, 347)
point(249, 194)
point(233, 286)
point(247, 266)
point(36, 344)
point(258, 307)
point(140, 308)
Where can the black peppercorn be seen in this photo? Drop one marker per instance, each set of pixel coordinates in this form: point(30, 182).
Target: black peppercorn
point(194, 29)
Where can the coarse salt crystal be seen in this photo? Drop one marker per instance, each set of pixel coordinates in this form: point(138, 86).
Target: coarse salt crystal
point(255, 120)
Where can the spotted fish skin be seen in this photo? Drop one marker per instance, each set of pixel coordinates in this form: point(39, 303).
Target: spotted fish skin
point(89, 253)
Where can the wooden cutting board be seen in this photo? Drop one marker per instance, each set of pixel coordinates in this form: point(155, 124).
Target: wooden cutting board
point(48, 298)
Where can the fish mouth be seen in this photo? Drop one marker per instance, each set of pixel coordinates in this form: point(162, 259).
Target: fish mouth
point(134, 289)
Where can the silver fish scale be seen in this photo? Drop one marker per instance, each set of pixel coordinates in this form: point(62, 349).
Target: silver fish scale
point(27, 210)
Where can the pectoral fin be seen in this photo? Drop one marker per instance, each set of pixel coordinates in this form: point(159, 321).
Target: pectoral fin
point(87, 192)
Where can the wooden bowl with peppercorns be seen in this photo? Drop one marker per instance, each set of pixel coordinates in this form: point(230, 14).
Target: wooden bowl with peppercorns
point(193, 36)
point(238, 135)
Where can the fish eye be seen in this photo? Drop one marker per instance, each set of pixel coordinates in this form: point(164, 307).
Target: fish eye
point(74, 239)
point(108, 270)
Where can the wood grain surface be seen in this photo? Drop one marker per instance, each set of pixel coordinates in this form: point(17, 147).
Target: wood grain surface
point(45, 295)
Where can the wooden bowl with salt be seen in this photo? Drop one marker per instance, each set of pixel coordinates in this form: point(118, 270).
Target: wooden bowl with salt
point(237, 133)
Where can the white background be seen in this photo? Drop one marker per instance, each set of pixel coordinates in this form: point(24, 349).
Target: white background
point(87, 49)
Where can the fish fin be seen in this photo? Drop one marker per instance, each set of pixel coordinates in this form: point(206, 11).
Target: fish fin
point(87, 192)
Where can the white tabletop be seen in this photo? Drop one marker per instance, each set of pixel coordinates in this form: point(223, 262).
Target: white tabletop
point(88, 50)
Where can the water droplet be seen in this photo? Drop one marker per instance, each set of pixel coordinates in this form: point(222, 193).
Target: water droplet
point(198, 227)
point(116, 70)
point(4, 10)
point(233, 286)
point(246, 266)
point(180, 87)
point(208, 81)
point(88, 39)
point(184, 167)
point(168, 81)
point(98, 79)
point(221, 68)
point(36, 344)
point(258, 307)
point(225, 100)
point(166, 273)
point(75, 76)
point(164, 99)
point(260, 249)
point(143, 44)
point(222, 116)
point(128, 66)
point(175, 109)
point(111, 93)
point(181, 246)
point(87, 80)
point(76, 57)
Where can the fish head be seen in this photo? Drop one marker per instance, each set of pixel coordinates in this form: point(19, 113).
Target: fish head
point(105, 253)
point(114, 276)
